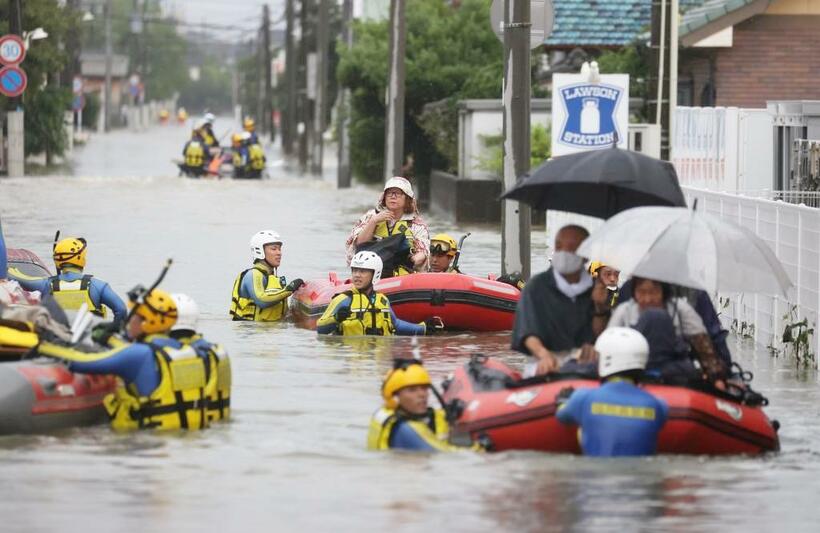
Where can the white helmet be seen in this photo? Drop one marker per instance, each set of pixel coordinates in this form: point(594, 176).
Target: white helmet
point(368, 261)
point(209, 118)
point(259, 241)
point(621, 349)
point(397, 182)
point(187, 312)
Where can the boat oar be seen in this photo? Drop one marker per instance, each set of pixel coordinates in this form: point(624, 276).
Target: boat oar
point(458, 251)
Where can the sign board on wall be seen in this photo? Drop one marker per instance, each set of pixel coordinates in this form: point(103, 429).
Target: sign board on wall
point(589, 116)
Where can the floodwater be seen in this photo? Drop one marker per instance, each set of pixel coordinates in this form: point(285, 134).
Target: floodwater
point(293, 458)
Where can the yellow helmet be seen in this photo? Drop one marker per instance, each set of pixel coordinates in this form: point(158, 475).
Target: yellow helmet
point(249, 124)
point(594, 267)
point(399, 378)
point(158, 311)
point(443, 243)
point(236, 138)
point(70, 251)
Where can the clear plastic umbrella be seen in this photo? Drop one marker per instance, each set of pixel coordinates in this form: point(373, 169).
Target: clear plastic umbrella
point(688, 248)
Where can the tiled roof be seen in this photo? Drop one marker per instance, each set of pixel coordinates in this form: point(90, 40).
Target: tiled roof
point(603, 22)
point(711, 10)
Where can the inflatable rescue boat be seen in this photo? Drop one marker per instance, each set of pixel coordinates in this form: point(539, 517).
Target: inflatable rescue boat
point(463, 302)
point(488, 397)
point(38, 395)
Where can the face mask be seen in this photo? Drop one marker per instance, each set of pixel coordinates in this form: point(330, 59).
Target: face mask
point(566, 262)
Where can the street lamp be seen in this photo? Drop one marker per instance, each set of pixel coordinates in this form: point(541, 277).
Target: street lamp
point(34, 35)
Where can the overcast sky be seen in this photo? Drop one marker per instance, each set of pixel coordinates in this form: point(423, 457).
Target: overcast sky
point(244, 15)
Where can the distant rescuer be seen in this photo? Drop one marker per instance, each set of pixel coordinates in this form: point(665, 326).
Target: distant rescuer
point(618, 418)
point(259, 293)
point(561, 309)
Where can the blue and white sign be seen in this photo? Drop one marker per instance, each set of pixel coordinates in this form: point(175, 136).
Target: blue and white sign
point(589, 116)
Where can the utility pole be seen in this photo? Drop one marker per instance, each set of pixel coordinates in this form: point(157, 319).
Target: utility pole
point(15, 117)
point(304, 118)
point(343, 176)
point(267, 92)
point(289, 116)
point(673, 74)
point(394, 138)
point(516, 217)
point(322, 45)
point(664, 37)
point(108, 59)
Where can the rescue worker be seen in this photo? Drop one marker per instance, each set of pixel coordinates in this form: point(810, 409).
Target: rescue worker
point(608, 277)
point(443, 250)
point(207, 129)
point(405, 421)
point(249, 125)
point(255, 162)
point(618, 418)
point(182, 115)
point(395, 215)
point(196, 155)
point(165, 386)
point(184, 333)
point(363, 311)
point(240, 156)
point(259, 294)
point(71, 287)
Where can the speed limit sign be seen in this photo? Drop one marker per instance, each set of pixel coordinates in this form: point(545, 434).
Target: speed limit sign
point(12, 49)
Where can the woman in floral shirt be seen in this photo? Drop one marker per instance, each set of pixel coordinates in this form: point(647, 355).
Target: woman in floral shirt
point(396, 213)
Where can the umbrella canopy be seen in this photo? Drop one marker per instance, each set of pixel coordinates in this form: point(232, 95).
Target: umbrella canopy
point(599, 183)
point(688, 248)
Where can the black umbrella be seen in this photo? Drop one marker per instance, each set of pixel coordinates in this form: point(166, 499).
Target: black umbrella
point(599, 183)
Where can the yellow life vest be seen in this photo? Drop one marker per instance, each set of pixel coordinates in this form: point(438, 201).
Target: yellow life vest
point(195, 154)
point(71, 295)
point(243, 308)
point(208, 138)
point(238, 160)
point(384, 421)
point(257, 156)
point(402, 226)
point(368, 316)
point(178, 402)
point(218, 388)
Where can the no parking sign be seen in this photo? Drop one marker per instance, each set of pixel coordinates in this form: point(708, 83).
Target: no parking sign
point(13, 81)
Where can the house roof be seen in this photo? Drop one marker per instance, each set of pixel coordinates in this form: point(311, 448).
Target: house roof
point(715, 15)
point(603, 22)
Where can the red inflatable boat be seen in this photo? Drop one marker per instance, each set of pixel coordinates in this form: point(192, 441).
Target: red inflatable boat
point(463, 302)
point(40, 394)
point(517, 416)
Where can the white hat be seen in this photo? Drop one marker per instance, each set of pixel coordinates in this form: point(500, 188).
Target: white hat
point(187, 312)
point(397, 182)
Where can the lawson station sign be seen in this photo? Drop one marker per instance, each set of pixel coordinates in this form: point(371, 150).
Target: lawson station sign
point(589, 116)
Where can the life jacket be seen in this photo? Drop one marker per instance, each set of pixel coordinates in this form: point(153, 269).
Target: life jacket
point(71, 295)
point(238, 158)
point(384, 422)
point(367, 317)
point(218, 388)
point(178, 402)
point(243, 308)
point(195, 154)
point(402, 226)
point(257, 157)
point(208, 138)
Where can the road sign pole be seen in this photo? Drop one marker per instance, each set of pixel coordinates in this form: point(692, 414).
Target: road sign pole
point(516, 217)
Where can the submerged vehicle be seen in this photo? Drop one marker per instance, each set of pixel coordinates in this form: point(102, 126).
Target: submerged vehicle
point(464, 303)
point(487, 397)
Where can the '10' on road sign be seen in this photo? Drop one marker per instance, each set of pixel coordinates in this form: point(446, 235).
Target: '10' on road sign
point(12, 49)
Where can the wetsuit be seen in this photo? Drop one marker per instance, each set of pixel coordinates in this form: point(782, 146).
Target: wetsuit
point(616, 419)
point(99, 292)
point(357, 313)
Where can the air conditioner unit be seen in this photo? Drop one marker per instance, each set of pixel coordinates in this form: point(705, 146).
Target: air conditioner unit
point(646, 139)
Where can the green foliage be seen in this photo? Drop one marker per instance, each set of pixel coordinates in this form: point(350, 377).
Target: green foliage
point(633, 60)
point(91, 111)
point(797, 336)
point(212, 90)
point(493, 158)
point(451, 53)
point(45, 131)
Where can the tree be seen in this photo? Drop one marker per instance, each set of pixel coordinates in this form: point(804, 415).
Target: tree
point(451, 54)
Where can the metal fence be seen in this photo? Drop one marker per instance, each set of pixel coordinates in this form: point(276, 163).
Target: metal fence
point(793, 232)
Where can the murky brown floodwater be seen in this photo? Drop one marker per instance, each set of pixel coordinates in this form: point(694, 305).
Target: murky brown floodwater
point(293, 457)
